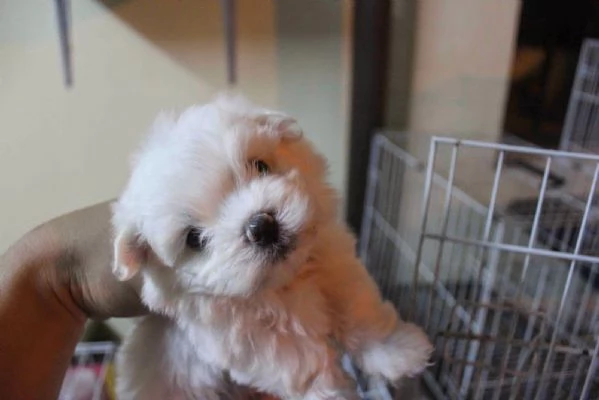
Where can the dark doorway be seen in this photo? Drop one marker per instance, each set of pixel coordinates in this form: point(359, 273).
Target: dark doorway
point(370, 41)
point(550, 36)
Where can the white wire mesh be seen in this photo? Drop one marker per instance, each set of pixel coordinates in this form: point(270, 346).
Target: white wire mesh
point(506, 283)
point(581, 127)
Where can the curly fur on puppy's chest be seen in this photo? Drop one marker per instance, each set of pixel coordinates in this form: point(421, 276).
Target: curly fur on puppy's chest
point(285, 330)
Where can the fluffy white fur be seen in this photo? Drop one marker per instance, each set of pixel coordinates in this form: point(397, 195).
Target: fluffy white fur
point(230, 316)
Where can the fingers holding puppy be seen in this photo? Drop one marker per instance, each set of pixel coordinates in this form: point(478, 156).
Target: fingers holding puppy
point(77, 254)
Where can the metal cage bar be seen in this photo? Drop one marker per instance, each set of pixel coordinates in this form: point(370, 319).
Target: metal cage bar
point(507, 286)
point(581, 126)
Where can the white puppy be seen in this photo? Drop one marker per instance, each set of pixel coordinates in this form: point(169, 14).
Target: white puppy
point(229, 220)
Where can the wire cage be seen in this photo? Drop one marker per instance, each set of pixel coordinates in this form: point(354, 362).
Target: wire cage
point(90, 374)
point(368, 389)
point(582, 117)
point(502, 273)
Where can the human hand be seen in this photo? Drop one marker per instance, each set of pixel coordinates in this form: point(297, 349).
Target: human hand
point(72, 256)
point(51, 281)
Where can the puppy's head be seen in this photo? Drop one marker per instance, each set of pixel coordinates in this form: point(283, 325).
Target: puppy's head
point(224, 200)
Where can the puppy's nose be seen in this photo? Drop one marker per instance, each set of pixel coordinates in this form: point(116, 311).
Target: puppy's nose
point(262, 229)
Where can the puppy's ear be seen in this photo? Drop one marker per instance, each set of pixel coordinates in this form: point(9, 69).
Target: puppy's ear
point(282, 125)
point(130, 254)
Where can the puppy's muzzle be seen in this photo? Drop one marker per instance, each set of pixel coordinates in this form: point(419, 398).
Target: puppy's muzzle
point(263, 230)
point(266, 234)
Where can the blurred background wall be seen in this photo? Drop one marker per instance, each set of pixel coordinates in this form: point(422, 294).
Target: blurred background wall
point(461, 68)
point(448, 72)
point(456, 57)
point(65, 149)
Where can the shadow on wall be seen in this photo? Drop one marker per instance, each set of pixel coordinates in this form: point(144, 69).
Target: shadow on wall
point(191, 32)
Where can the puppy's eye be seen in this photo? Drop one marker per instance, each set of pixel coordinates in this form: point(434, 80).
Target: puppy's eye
point(261, 167)
point(195, 240)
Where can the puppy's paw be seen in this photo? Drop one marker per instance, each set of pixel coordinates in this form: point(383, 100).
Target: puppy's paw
point(405, 353)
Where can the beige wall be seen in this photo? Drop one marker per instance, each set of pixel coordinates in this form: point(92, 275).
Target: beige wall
point(461, 67)
point(460, 75)
point(64, 149)
point(313, 50)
